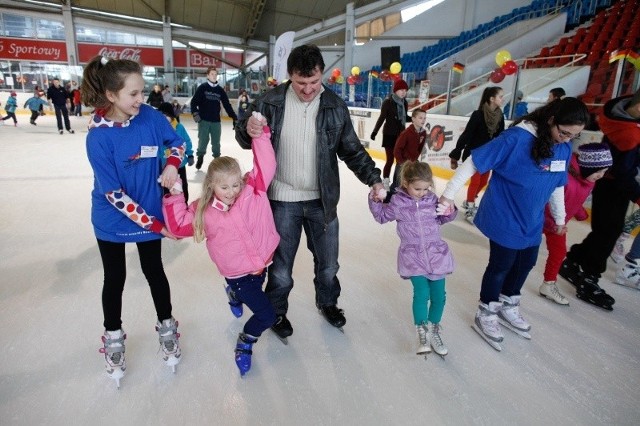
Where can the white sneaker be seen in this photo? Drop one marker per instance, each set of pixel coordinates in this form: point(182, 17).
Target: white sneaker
point(423, 340)
point(510, 312)
point(168, 337)
point(487, 321)
point(549, 289)
point(436, 340)
point(629, 274)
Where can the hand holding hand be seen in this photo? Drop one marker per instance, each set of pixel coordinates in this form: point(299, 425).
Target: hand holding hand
point(169, 176)
point(444, 208)
point(168, 234)
point(378, 193)
point(561, 229)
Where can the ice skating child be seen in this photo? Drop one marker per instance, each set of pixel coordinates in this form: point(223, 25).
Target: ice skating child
point(167, 109)
point(125, 145)
point(587, 166)
point(35, 104)
point(484, 124)
point(423, 257)
point(393, 113)
point(409, 145)
point(630, 223)
point(529, 162)
point(10, 107)
point(234, 216)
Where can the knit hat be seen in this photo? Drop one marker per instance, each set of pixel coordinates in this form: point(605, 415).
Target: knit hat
point(167, 109)
point(400, 85)
point(593, 157)
point(13, 94)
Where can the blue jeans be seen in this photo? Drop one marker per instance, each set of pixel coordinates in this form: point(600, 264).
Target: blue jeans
point(322, 241)
point(507, 271)
point(248, 290)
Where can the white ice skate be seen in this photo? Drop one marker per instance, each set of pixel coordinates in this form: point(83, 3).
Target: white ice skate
point(168, 337)
point(509, 316)
point(423, 340)
point(629, 274)
point(487, 326)
point(549, 289)
point(617, 254)
point(113, 350)
point(436, 340)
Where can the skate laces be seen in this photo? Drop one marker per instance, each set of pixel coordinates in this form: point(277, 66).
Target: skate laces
point(422, 334)
point(489, 321)
point(435, 335)
point(168, 336)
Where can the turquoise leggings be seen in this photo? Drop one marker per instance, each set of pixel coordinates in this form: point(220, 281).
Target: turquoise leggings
point(425, 290)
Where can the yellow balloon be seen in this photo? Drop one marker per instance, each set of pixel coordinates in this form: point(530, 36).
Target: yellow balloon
point(502, 56)
point(395, 68)
point(355, 71)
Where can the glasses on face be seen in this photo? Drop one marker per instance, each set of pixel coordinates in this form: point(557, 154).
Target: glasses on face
point(566, 135)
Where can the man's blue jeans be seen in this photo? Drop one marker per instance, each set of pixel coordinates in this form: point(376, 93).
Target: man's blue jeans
point(507, 271)
point(322, 241)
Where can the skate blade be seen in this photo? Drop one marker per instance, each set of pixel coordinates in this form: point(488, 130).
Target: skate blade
point(606, 306)
point(552, 299)
point(282, 339)
point(172, 361)
point(494, 345)
point(520, 333)
point(116, 375)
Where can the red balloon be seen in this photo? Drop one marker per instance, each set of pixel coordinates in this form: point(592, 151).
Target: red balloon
point(351, 80)
point(336, 72)
point(384, 75)
point(331, 80)
point(395, 77)
point(509, 67)
point(497, 75)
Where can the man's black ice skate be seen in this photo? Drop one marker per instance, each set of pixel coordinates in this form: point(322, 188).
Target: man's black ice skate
point(334, 316)
point(282, 328)
point(589, 291)
point(570, 271)
point(199, 162)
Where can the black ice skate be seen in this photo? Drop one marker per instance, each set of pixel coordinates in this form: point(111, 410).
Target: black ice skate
point(334, 316)
point(589, 291)
point(570, 271)
point(282, 328)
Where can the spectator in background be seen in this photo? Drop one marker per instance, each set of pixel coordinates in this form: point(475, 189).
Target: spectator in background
point(155, 97)
point(522, 108)
point(556, 93)
point(166, 94)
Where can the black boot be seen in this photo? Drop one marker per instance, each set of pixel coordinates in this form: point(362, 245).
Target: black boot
point(570, 271)
point(333, 315)
point(589, 291)
point(199, 162)
point(282, 327)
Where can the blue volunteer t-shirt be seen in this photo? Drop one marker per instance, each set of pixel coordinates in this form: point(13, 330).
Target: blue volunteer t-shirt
point(512, 209)
point(128, 158)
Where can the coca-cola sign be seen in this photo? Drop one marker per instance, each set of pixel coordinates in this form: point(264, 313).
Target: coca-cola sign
point(125, 53)
point(149, 56)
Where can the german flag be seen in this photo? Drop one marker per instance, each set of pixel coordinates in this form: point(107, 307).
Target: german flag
point(458, 67)
point(374, 74)
point(616, 55)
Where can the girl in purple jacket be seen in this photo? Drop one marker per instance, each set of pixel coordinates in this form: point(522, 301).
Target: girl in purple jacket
point(423, 257)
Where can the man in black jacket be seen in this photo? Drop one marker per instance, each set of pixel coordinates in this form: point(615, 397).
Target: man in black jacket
point(311, 128)
point(58, 97)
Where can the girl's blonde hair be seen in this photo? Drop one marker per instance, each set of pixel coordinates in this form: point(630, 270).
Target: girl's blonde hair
point(219, 167)
point(412, 171)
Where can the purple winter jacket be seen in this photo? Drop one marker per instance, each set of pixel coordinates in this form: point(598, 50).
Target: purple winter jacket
point(422, 251)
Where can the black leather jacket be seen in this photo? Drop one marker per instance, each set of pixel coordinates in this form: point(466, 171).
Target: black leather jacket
point(336, 139)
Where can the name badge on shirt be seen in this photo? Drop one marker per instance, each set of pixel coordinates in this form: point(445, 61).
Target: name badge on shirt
point(148, 151)
point(558, 166)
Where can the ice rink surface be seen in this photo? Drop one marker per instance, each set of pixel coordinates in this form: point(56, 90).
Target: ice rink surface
point(582, 366)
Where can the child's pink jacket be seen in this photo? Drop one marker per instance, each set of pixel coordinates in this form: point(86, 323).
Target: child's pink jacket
point(241, 240)
point(576, 192)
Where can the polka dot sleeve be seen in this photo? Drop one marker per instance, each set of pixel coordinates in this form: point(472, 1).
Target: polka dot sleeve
point(121, 201)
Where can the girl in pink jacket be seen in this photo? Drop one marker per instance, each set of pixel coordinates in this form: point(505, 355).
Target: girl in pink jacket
point(234, 216)
point(587, 166)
